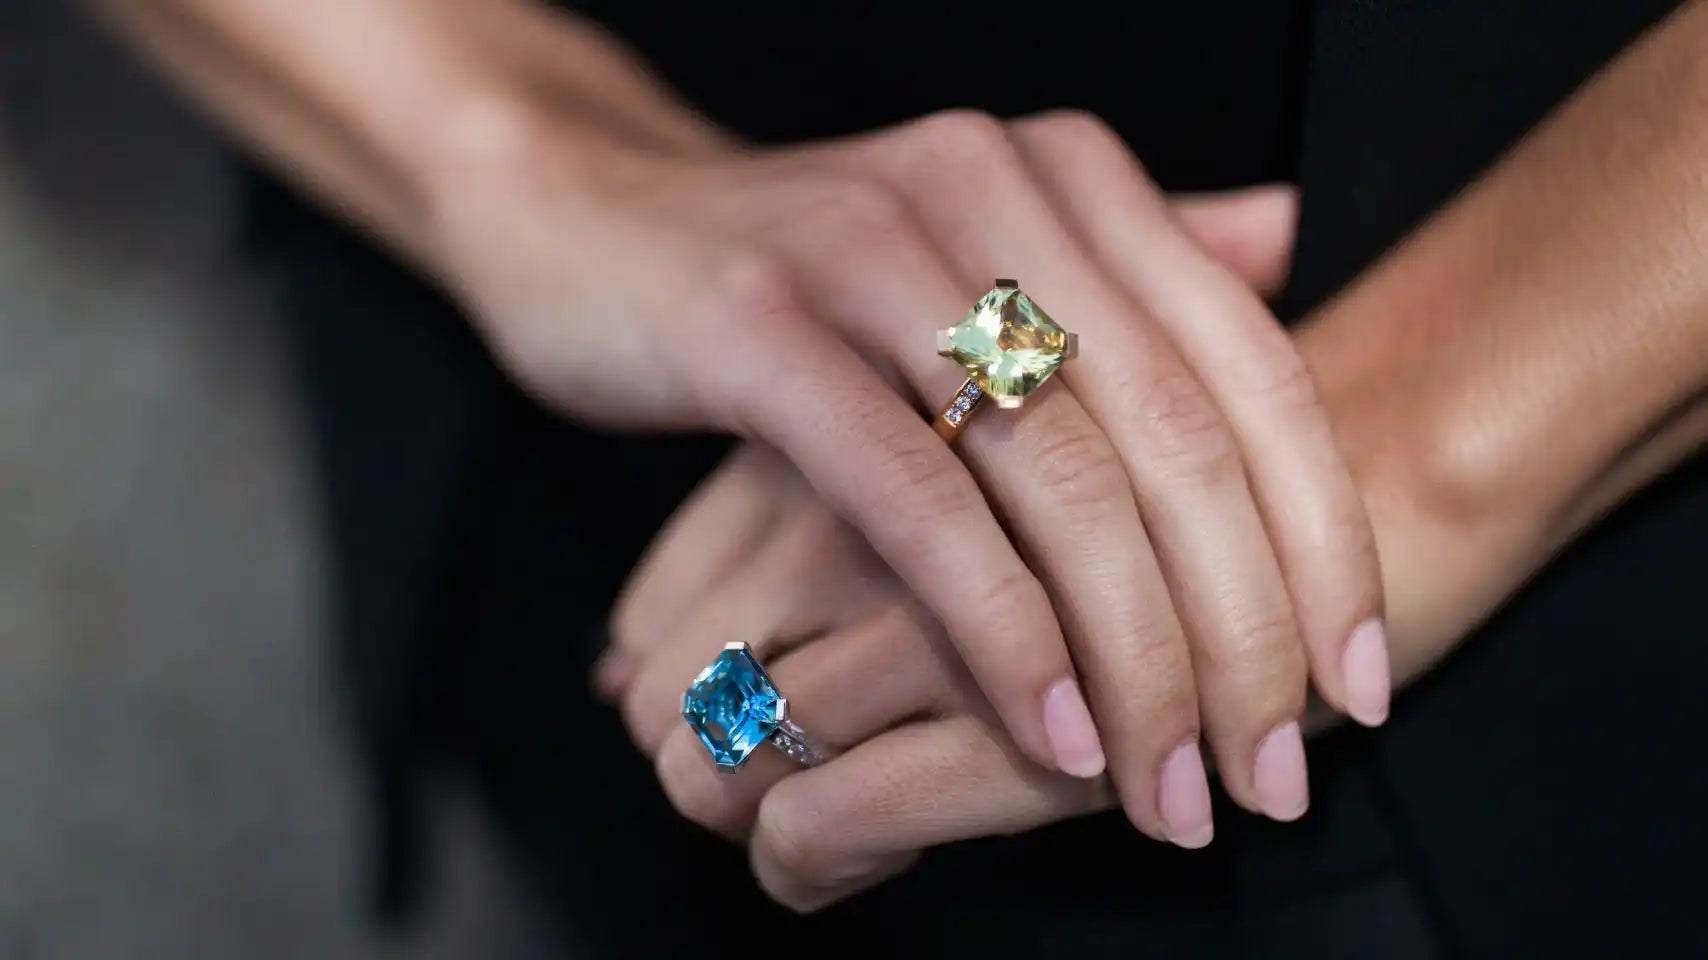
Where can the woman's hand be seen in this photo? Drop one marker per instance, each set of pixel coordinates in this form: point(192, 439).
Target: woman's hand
point(1468, 495)
point(633, 265)
point(870, 673)
point(1174, 507)
point(755, 555)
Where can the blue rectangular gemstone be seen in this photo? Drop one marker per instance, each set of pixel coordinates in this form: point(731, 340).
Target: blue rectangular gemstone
point(732, 706)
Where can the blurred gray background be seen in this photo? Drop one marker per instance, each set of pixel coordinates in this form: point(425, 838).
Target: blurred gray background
point(171, 779)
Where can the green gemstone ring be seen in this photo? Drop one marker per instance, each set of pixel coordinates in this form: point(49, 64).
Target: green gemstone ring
point(1009, 347)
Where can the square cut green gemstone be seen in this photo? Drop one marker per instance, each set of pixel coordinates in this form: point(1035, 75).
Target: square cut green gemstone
point(732, 706)
point(1008, 343)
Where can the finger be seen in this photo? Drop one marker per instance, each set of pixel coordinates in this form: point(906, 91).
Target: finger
point(980, 201)
point(1065, 496)
point(723, 521)
point(1074, 519)
point(879, 464)
point(1249, 231)
point(826, 833)
point(813, 574)
point(843, 689)
point(1308, 498)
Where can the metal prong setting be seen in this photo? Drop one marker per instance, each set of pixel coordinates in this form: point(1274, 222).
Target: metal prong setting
point(945, 342)
point(736, 646)
point(948, 423)
point(782, 709)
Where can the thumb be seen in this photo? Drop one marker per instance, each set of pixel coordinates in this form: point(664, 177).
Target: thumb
point(1250, 230)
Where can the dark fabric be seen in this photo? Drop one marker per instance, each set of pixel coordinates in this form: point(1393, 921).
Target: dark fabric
point(1544, 785)
point(1536, 796)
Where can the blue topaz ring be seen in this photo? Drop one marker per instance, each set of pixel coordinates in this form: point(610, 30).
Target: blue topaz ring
point(734, 707)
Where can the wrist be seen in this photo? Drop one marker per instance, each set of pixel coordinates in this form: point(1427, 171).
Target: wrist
point(1457, 530)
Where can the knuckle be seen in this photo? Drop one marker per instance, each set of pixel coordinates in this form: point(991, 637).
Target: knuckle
point(792, 841)
point(1078, 128)
point(1163, 660)
point(1173, 716)
point(639, 717)
point(630, 625)
point(1264, 645)
point(1015, 606)
point(1348, 543)
point(1096, 148)
point(1170, 703)
point(859, 206)
point(961, 132)
point(968, 147)
point(693, 792)
point(753, 285)
point(1287, 383)
point(1192, 439)
point(922, 477)
point(815, 532)
point(1080, 468)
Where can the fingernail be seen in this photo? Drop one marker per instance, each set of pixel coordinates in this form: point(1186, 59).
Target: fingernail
point(1073, 737)
point(1183, 798)
point(1283, 786)
point(1365, 665)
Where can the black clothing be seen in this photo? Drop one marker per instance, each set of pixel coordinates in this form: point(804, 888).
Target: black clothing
point(1532, 797)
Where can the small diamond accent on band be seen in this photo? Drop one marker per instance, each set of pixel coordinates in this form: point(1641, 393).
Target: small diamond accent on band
point(965, 398)
point(796, 744)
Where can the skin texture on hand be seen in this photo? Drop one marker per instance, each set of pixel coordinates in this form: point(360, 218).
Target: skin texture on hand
point(1166, 546)
point(1453, 372)
point(755, 554)
point(1535, 353)
point(1450, 385)
point(1166, 549)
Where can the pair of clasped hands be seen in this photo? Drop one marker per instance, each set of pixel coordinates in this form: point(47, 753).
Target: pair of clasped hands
point(1133, 581)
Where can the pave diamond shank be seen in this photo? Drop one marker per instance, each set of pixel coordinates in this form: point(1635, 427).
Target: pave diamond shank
point(796, 744)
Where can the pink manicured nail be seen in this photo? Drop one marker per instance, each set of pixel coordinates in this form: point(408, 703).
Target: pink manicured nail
point(1283, 786)
point(1365, 666)
point(1183, 798)
point(1073, 737)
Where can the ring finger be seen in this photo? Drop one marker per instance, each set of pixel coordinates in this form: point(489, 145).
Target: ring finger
point(843, 688)
point(812, 575)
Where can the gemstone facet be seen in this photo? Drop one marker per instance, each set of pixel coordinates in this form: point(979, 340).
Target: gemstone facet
point(733, 706)
point(1008, 344)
